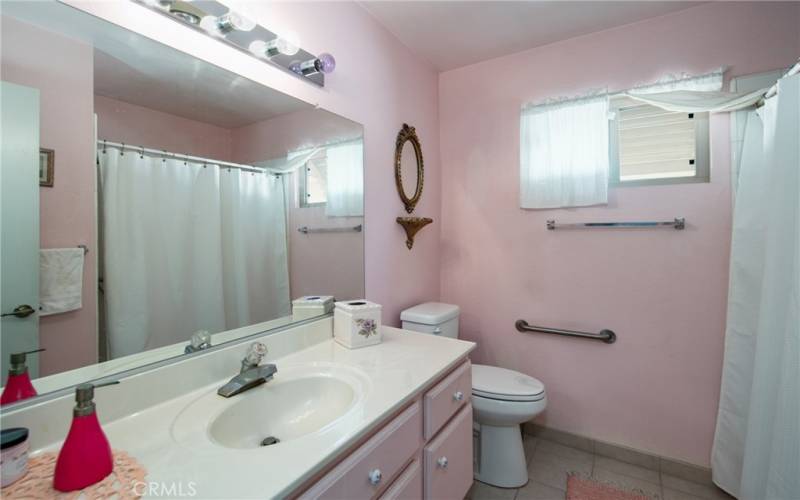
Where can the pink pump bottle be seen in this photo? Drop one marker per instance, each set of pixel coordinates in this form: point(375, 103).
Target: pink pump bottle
point(18, 386)
point(85, 458)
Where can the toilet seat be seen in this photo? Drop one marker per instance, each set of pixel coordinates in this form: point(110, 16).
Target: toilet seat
point(493, 382)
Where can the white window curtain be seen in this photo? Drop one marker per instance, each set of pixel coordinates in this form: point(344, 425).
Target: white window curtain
point(345, 179)
point(187, 247)
point(756, 452)
point(710, 82)
point(564, 154)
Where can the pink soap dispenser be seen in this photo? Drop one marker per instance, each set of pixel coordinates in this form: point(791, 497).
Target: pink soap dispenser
point(85, 458)
point(18, 386)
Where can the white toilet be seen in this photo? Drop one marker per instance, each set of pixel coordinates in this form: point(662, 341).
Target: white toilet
point(501, 400)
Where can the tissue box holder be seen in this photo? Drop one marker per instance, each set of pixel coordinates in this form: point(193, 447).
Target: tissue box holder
point(311, 306)
point(357, 323)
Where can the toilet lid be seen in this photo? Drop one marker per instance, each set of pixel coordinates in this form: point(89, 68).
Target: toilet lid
point(499, 383)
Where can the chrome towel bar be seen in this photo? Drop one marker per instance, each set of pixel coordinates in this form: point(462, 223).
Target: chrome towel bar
point(306, 230)
point(677, 223)
point(606, 336)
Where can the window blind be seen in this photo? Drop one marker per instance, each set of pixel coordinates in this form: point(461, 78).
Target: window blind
point(655, 143)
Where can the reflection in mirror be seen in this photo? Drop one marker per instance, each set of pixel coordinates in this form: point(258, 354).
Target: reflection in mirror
point(408, 163)
point(186, 184)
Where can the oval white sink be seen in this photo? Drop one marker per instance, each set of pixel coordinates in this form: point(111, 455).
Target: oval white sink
point(283, 411)
point(301, 401)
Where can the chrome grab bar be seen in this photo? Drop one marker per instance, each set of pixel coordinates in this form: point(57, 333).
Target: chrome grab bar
point(606, 336)
point(306, 229)
point(677, 223)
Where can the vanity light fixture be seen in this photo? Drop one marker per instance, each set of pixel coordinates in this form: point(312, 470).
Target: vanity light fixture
point(325, 63)
point(232, 28)
point(286, 44)
point(224, 24)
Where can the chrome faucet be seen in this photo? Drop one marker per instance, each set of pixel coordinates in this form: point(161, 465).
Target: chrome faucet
point(251, 374)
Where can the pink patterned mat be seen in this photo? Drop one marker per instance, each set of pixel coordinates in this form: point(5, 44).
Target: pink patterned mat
point(582, 488)
point(38, 481)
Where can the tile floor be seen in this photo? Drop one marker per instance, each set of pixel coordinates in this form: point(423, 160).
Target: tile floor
point(550, 462)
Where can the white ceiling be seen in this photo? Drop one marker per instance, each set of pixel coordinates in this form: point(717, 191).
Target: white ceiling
point(457, 33)
point(135, 69)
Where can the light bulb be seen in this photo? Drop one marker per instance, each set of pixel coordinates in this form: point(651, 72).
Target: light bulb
point(237, 21)
point(226, 23)
point(285, 45)
point(288, 44)
point(325, 63)
point(211, 25)
point(258, 48)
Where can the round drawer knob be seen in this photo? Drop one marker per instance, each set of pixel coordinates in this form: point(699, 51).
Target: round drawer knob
point(458, 396)
point(437, 330)
point(375, 476)
point(442, 462)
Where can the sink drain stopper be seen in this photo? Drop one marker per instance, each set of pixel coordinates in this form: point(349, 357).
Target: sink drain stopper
point(269, 441)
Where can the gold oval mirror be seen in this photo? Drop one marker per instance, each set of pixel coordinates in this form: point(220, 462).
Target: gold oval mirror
point(409, 170)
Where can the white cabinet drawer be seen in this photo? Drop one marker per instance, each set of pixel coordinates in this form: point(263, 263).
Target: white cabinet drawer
point(367, 471)
point(448, 459)
point(444, 399)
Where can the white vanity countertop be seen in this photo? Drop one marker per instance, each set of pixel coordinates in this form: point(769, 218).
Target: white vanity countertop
point(395, 370)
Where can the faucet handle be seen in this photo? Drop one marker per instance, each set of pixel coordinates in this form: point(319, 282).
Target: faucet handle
point(255, 353)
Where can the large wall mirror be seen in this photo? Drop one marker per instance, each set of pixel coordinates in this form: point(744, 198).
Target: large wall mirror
point(148, 196)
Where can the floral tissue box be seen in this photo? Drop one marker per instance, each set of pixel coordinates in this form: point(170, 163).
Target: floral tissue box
point(357, 323)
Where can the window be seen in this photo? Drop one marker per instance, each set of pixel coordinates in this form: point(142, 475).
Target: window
point(649, 145)
point(313, 181)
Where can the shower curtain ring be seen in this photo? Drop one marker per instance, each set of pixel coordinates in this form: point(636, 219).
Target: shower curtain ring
point(122, 150)
point(104, 146)
point(141, 153)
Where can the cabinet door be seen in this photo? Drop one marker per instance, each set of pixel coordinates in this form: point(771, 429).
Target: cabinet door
point(409, 485)
point(367, 471)
point(448, 459)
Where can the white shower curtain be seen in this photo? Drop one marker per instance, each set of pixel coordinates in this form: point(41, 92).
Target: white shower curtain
point(186, 247)
point(756, 453)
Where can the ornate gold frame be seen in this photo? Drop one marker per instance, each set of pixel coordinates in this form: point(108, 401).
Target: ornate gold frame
point(408, 134)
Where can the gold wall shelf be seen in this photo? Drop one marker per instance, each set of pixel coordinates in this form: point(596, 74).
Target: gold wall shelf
point(412, 225)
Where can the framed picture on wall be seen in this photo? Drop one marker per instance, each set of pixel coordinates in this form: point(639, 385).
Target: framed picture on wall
point(47, 160)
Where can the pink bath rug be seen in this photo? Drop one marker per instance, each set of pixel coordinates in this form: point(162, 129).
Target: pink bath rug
point(583, 488)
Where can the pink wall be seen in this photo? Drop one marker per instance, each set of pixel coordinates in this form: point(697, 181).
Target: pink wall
point(120, 121)
point(663, 292)
point(67, 210)
point(324, 264)
point(274, 138)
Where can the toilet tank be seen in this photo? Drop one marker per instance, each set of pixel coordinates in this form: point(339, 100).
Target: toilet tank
point(432, 317)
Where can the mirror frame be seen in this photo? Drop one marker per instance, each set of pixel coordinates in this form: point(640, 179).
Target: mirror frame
point(408, 134)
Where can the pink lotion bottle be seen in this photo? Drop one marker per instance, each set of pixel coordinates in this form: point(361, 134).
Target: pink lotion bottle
point(85, 458)
point(18, 386)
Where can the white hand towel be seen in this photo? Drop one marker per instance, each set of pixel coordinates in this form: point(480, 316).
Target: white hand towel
point(60, 280)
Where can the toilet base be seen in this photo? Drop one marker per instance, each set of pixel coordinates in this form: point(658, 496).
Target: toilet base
point(502, 457)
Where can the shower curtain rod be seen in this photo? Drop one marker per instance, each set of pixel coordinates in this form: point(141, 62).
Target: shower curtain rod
point(774, 89)
point(164, 154)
